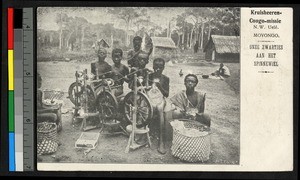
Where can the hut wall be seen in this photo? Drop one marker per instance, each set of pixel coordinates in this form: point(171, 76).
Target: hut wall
point(208, 54)
point(166, 53)
point(228, 57)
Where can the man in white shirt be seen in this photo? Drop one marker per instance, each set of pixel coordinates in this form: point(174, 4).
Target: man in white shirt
point(222, 72)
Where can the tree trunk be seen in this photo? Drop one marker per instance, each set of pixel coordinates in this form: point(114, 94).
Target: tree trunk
point(60, 33)
point(199, 32)
point(191, 38)
point(202, 35)
point(178, 40)
point(112, 41)
point(209, 31)
point(82, 37)
point(169, 29)
point(182, 40)
point(76, 32)
point(126, 34)
point(69, 37)
point(187, 40)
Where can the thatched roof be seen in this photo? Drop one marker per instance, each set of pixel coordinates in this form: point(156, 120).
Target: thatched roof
point(225, 44)
point(102, 43)
point(163, 42)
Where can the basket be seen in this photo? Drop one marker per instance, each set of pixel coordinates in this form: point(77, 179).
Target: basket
point(47, 142)
point(52, 94)
point(191, 148)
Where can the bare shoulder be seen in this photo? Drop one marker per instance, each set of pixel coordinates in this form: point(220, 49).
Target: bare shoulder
point(124, 67)
point(94, 62)
point(203, 94)
point(165, 77)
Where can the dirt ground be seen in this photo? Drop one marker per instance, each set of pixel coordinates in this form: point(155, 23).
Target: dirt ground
point(222, 104)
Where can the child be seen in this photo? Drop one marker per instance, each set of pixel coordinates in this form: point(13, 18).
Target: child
point(119, 71)
point(160, 82)
point(101, 67)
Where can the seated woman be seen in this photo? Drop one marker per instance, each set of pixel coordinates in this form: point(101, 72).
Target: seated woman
point(187, 104)
point(47, 113)
point(190, 104)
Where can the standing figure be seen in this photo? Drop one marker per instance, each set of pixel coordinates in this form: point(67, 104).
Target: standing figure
point(101, 67)
point(142, 60)
point(196, 46)
point(158, 93)
point(119, 70)
point(132, 56)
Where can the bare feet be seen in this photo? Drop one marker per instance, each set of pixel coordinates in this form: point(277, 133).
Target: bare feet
point(162, 150)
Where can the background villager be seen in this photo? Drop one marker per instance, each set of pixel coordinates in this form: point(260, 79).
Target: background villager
point(196, 46)
point(222, 72)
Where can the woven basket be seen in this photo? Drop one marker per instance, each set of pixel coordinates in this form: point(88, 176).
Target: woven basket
point(47, 142)
point(52, 94)
point(191, 149)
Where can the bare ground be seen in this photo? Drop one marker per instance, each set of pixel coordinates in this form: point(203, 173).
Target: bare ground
point(222, 104)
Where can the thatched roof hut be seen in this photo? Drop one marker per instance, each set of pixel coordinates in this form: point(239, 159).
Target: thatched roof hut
point(163, 47)
point(164, 42)
point(223, 48)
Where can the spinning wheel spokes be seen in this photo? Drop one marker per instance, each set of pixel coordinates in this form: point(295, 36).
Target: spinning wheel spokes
point(107, 105)
point(144, 109)
point(90, 99)
point(74, 92)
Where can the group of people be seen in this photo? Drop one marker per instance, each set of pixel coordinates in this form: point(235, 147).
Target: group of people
point(186, 104)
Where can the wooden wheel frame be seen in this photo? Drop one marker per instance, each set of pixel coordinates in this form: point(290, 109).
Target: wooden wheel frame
point(107, 105)
point(91, 99)
point(73, 95)
point(144, 109)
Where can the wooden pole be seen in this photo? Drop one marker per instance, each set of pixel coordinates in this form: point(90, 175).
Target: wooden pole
point(131, 144)
point(135, 105)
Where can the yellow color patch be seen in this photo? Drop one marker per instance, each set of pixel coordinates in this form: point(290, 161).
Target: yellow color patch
point(10, 69)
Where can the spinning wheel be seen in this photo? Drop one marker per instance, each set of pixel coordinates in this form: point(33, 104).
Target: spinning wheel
point(144, 109)
point(75, 91)
point(76, 94)
point(107, 105)
point(90, 99)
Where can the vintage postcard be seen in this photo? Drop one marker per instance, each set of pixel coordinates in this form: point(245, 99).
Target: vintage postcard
point(164, 89)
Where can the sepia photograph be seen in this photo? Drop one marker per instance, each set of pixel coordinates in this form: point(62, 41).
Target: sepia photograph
point(138, 85)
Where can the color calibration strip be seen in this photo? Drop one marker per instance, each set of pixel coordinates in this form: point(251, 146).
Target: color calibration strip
point(20, 89)
point(11, 114)
point(18, 86)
